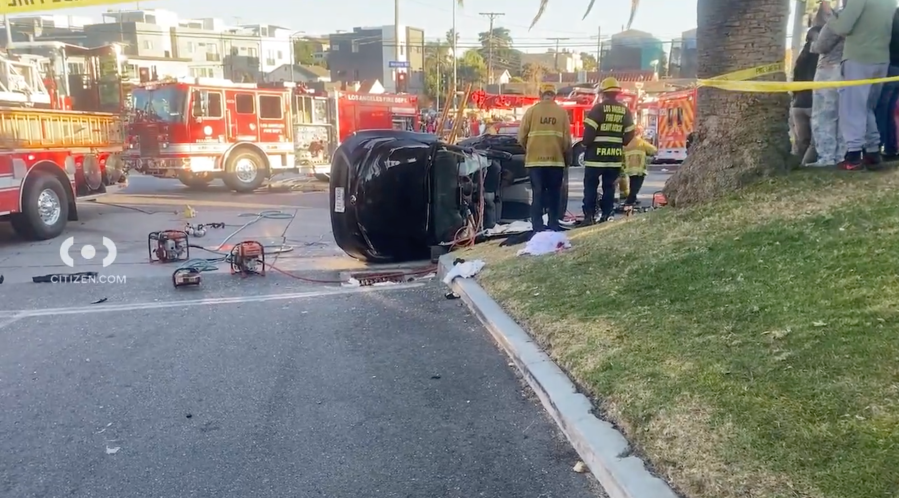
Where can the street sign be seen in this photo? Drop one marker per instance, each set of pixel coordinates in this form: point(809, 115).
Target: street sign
point(398, 64)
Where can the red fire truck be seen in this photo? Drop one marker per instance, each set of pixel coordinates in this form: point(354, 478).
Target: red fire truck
point(199, 129)
point(56, 143)
point(578, 103)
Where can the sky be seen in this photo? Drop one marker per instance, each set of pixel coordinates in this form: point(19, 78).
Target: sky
point(664, 18)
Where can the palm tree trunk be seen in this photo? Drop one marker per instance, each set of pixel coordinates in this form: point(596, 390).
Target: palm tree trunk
point(740, 137)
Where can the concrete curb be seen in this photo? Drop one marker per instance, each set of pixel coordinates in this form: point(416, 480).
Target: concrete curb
point(597, 442)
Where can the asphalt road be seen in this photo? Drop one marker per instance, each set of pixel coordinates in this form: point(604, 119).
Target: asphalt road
point(266, 386)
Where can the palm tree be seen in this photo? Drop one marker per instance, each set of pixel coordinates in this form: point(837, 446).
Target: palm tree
point(545, 3)
point(739, 137)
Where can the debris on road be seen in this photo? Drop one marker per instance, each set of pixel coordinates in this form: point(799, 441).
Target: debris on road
point(463, 269)
point(580, 467)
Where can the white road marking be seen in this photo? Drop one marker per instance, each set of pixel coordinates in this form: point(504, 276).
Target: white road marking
point(8, 317)
point(9, 320)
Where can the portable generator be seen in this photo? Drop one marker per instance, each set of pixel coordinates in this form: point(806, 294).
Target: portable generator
point(248, 258)
point(168, 246)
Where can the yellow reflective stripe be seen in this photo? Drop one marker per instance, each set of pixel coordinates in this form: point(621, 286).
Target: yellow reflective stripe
point(592, 124)
point(545, 133)
point(611, 140)
point(544, 164)
point(630, 128)
point(603, 164)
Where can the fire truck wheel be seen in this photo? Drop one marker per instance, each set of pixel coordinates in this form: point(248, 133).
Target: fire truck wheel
point(195, 181)
point(45, 208)
point(245, 171)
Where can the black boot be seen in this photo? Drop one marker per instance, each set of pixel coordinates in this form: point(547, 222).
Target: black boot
point(589, 219)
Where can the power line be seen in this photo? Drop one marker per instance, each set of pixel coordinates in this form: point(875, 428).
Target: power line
point(492, 16)
point(556, 58)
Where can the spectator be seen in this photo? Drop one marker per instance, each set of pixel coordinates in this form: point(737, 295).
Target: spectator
point(868, 27)
point(828, 140)
point(886, 123)
point(801, 107)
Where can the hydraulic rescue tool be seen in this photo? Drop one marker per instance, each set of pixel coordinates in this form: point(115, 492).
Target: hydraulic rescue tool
point(168, 246)
point(248, 258)
point(184, 277)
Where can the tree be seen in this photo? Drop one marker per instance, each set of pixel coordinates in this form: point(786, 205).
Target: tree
point(304, 52)
point(437, 65)
point(450, 35)
point(503, 55)
point(545, 3)
point(588, 60)
point(533, 74)
point(739, 137)
point(662, 68)
point(472, 68)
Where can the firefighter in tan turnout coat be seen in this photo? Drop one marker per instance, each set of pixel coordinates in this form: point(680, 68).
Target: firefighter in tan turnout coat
point(545, 134)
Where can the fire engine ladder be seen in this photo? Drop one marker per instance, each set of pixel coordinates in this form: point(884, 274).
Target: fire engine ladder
point(21, 84)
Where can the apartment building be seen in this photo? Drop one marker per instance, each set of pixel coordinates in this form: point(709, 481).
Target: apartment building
point(275, 44)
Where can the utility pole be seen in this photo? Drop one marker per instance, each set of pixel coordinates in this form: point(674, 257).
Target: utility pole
point(491, 16)
point(598, 48)
point(455, 54)
point(396, 39)
point(556, 63)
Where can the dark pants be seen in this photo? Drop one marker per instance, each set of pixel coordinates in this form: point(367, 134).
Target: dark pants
point(635, 186)
point(546, 184)
point(886, 123)
point(592, 178)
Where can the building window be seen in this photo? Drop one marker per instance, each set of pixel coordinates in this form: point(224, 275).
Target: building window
point(148, 45)
point(235, 51)
point(243, 104)
point(190, 47)
point(252, 52)
point(402, 50)
point(355, 47)
point(76, 68)
point(280, 55)
point(335, 47)
point(270, 107)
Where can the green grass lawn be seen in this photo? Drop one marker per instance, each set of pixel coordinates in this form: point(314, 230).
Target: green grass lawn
point(749, 348)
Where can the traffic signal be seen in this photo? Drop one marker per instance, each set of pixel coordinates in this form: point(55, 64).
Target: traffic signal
point(400, 82)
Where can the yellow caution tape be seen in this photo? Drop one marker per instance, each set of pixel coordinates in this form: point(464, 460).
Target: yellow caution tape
point(787, 86)
point(12, 7)
point(748, 74)
point(736, 81)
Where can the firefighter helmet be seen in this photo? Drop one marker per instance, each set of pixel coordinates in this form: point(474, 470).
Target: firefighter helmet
point(610, 84)
point(547, 88)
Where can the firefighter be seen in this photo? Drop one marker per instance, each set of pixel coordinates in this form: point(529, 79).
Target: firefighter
point(623, 187)
point(608, 127)
point(545, 134)
point(635, 156)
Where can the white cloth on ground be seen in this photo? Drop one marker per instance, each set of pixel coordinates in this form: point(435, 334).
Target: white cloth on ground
point(546, 243)
point(467, 269)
